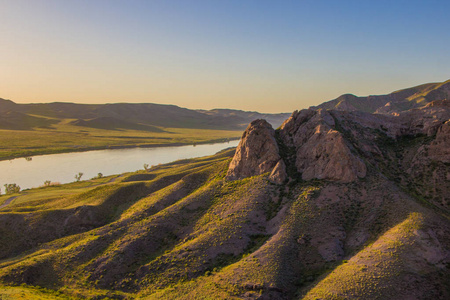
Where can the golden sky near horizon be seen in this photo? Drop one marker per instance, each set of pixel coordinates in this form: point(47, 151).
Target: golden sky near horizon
point(256, 55)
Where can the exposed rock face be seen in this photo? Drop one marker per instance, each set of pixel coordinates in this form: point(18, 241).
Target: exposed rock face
point(425, 120)
point(321, 151)
point(440, 148)
point(278, 174)
point(333, 144)
point(326, 156)
point(257, 152)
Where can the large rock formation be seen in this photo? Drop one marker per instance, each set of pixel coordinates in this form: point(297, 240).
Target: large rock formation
point(333, 145)
point(257, 152)
point(321, 151)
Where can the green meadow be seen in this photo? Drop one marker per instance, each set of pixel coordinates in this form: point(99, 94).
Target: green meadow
point(64, 137)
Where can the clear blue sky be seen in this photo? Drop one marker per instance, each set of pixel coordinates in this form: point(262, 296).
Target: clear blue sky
point(269, 56)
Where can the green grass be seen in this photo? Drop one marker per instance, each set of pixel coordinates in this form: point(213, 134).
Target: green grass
point(3, 198)
point(53, 196)
point(373, 270)
point(63, 137)
point(26, 292)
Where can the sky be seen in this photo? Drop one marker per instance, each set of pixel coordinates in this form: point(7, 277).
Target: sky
point(267, 56)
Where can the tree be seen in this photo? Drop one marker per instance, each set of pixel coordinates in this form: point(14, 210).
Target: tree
point(78, 176)
point(146, 167)
point(47, 183)
point(12, 188)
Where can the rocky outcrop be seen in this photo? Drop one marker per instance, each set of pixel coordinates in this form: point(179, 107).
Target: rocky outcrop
point(325, 155)
point(439, 149)
point(257, 152)
point(333, 144)
point(321, 151)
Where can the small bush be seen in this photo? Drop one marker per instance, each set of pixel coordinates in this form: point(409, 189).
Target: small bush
point(99, 175)
point(12, 188)
point(49, 183)
point(78, 176)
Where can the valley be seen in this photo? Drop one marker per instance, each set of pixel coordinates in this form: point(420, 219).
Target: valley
point(35, 129)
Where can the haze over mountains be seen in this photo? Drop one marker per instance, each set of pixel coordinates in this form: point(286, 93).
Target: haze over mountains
point(347, 200)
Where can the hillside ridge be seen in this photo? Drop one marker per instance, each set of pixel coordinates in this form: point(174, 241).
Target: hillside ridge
point(395, 102)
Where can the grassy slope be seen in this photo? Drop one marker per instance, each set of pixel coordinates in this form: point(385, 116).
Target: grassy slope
point(63, 137)
point(25, 293)
point(182, 232)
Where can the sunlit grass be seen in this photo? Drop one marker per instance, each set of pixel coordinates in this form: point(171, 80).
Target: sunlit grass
point(69, 138)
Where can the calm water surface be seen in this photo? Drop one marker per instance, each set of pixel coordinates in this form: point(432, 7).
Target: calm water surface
point(63, 167)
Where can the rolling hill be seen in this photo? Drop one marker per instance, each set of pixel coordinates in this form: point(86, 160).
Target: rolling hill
point(35, 129)
point(139, 114)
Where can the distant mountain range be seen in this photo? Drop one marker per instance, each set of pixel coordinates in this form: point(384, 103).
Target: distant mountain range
point(138, 116)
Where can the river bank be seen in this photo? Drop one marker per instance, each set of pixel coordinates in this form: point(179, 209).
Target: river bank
point(66, 167)
point(30, 154)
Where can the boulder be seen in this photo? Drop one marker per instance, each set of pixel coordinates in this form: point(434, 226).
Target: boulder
point(257, 152)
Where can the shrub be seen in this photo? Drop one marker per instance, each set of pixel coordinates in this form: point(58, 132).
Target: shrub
point(48, 183)
point(12, 188)
point(99, 175)
point(78, 176)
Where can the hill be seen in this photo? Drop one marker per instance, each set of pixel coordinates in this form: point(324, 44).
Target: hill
point(395, 102)
point(332, 205)
point(147, 114)
point(46, 128)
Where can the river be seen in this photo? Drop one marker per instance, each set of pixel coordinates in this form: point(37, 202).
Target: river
point(63, 167)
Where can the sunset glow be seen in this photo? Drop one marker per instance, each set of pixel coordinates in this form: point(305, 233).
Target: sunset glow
point(269, 56)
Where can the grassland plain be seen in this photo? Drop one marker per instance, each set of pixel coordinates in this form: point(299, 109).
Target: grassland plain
point(63, 137)
point(182, 231)
point(44, 128)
